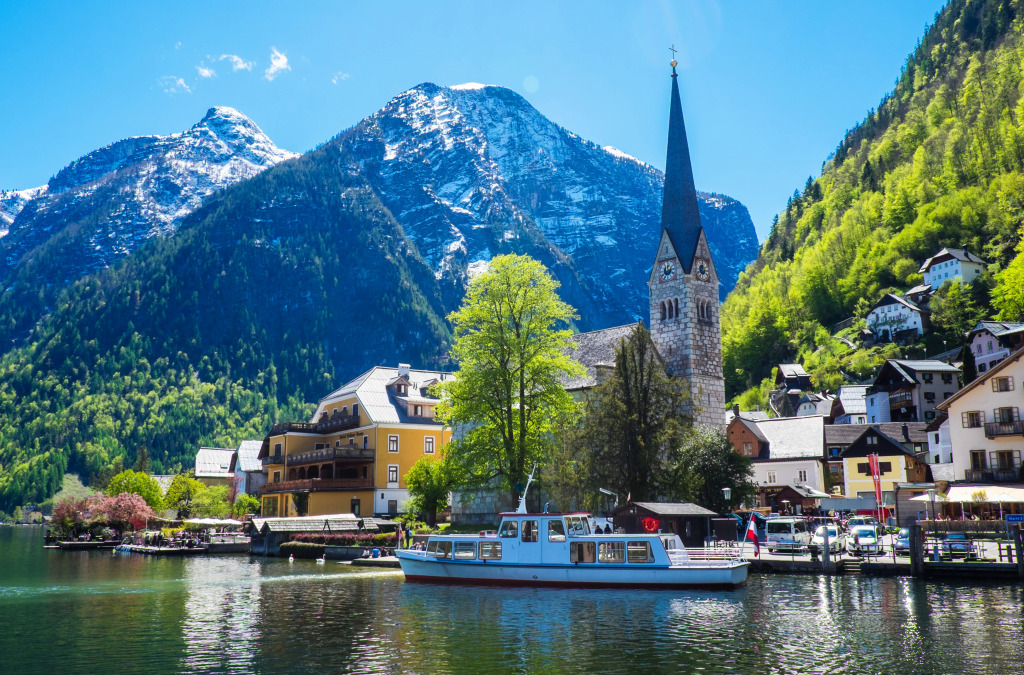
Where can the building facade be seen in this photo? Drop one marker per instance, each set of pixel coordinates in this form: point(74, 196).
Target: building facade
point(909, 391)
point(896, 464)
point(951, 264)
point(894, 318)
point(353, 455)
point(992, 341)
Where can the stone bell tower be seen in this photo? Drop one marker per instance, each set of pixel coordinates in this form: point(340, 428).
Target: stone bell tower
point(684, 319)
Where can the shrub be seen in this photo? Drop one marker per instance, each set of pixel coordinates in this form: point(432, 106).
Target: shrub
point(360, 539)
point(302, 549)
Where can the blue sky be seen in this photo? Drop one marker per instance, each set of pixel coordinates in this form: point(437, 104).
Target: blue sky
point(768, 87)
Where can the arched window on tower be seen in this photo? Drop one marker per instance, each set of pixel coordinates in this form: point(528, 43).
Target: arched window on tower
point(670, 314)
point(663, 317)
point(709, 312)
point(700, 309)
point(676, 303)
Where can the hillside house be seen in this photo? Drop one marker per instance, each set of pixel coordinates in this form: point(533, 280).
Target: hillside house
point(940, 448)
point(908, 390)
point(785, 451)
point(951, 264)
point(816, 404)
point(993, 341)
point(897, 319)
point(849, 405)
point(352, 456)
point(792, 376)
point(215, 466)
point(920, 295)
point(249, 474)
point(985, 430)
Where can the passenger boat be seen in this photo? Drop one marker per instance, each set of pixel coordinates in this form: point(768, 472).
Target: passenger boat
point(563, 549)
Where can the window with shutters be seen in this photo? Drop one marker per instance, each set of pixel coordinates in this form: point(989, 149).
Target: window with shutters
point(771, 478)
point(1005, 415)
point(978, 460)
point(1002, 384)
point(972, 419)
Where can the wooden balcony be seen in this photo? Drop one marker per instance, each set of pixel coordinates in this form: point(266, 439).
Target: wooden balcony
point(273, 459)
point(317, 485)
point(997, 429)
point(901, 399)
point(992, 475)
point(330, 455)
point(329, 425)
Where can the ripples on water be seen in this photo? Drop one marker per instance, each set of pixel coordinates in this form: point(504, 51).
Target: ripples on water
point(91, 611)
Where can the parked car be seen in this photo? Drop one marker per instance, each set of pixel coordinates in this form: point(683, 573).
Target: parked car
point(787, 534)
point(957, 545)
point(835, 539)
point(859, 521)
point(864, 540)
point(901, 545)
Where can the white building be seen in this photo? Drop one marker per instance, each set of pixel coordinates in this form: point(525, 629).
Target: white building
point(992, 341)
point(940, 449)
point(794, 452)
point(950, 264)
point(985, 430)
point(894, 318)
point(850, 405)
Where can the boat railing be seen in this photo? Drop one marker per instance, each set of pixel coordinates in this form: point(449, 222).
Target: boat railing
point(705, 556)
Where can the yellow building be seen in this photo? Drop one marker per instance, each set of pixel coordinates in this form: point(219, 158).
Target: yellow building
point(896, 463)
point(352, 457)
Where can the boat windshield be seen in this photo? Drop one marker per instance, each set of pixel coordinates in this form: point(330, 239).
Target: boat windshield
point(578, 525)
point(509, 528)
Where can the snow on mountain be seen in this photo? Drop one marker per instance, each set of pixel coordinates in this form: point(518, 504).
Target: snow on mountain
point(473, 170)
point(105, 204)
point(12, 202)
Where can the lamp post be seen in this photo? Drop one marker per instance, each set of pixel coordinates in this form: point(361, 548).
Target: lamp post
point(931, 498)
point(726, 494)
point(785, 507)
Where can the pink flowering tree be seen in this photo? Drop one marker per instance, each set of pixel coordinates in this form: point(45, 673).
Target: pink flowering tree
point(125, 510)
point(69, 516)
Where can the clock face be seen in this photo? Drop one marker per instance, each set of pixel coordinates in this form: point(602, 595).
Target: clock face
point(703, 270)
point(668, 270)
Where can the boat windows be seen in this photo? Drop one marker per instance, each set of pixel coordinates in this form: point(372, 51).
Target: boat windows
point(530, 530)
point(578, 526)
point(510, 528)
point(490, 550)
point(439, 549)
point(582, 552)
point(465, 550)
point(556, 530)
point(639, 552)
point(611, 552)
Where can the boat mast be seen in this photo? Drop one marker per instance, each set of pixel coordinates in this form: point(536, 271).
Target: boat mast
point(522, 499)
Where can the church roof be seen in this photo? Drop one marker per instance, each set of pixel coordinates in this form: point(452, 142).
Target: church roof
point(594, 350)
point(680, 214)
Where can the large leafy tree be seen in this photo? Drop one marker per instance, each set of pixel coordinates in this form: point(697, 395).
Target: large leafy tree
point(135, 482)
point(633, 419)
point(705, 463)
point(181, 492)
point(430, 481)
point(511, 333)
point(955, 312)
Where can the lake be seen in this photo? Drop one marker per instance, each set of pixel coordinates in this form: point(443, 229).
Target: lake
point(87, 612)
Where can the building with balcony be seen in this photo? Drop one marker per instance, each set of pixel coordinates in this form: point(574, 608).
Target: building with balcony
point(897, 319)
point(985, 430)
point(909, 391)
point(353, 455)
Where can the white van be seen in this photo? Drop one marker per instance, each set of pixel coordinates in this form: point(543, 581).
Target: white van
point(787, 534)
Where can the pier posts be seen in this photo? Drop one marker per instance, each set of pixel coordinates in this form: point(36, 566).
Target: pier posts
point(1018, 544)
point(916, 550)
point(826, 558)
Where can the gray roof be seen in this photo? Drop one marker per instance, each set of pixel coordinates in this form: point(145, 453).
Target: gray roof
point(754, 415)
point(807, 491)
point(675, 509)
point(794, 437)
point(377, 402)
point(593, 349)
point(853, 398)
point(844, 434)
point(922, 288)
point(792, 370)
point(215, 463)
point(957, 253)
point(998, 328)
point(754, 429)
point(893, 299)
point(249, 456)
point(163, 480)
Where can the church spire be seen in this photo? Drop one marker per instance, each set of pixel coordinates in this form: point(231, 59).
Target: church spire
point(680, 215)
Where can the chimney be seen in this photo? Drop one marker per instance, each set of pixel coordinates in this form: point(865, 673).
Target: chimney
point(736, 409)
point(906, 432)
point(403, 369)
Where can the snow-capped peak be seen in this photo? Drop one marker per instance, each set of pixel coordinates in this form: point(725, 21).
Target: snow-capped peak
point(470, 86)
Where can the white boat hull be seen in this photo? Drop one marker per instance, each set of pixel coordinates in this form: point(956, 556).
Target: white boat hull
point(718, 575)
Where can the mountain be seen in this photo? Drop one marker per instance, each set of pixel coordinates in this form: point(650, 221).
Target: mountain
point(12, 202)
point(273, 289)
point(940, 163)
point(468, 169)
point(102, 206)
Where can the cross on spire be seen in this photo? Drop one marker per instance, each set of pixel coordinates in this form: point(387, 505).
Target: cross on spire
point(673, 62)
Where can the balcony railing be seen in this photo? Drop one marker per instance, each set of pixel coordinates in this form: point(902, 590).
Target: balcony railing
point(992, 475)
point(330, 454)
point(327, 426)
point(996, 429)
point(900, 399)
point(317, 484)
point(273, 459)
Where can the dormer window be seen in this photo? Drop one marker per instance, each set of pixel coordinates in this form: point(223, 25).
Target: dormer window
point(418, 411)
point(401, 390)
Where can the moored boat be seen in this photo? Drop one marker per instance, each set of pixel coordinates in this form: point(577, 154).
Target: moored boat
point(563, 549)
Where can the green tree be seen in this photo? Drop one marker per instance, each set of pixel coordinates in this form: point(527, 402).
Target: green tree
point(430, 481)
point(969, 369)
point(632, 418)
point(511, 333)
point(142, 460)
point(954, 312)
point(705, 463)
point(181, 492)
point(133, 482)
point(18, 516)
point(1008, 295)
point(212, 502)
point(245, 504)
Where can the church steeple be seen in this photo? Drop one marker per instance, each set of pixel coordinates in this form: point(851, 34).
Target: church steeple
point(680, 215)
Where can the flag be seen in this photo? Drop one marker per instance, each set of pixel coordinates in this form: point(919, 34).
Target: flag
point(752, 536)
point(876, 477)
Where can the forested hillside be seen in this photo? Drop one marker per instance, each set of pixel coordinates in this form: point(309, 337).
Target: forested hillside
point(939, 163)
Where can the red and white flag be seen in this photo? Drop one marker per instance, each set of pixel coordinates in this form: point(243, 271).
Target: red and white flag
point(752, 536)
point(876, 477)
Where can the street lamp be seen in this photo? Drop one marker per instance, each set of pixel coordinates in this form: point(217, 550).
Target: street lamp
point(785, 507)
point(611, 494)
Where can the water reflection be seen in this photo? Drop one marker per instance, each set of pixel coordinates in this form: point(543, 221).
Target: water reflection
point(80, 612)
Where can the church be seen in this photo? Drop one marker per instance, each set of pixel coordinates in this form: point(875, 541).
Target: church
point(684, 320)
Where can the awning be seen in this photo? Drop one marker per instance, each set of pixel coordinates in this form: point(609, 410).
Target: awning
point(213, 522)
point(990, 494)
